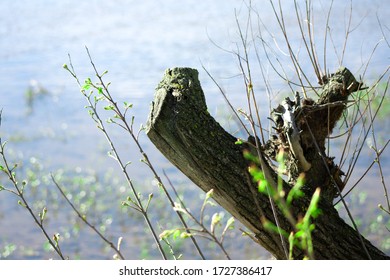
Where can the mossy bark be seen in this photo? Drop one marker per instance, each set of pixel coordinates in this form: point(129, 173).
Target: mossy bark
point(180, 126)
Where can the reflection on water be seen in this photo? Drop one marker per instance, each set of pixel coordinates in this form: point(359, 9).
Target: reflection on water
point(45, 120)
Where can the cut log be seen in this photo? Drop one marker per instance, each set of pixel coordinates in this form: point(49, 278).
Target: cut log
point(180, 126)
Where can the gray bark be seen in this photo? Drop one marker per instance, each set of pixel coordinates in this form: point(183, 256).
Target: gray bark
point(180, 126)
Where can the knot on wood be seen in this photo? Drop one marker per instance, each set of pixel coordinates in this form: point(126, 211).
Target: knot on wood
point(302, 127)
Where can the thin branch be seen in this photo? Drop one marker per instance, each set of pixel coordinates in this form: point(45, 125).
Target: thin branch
point(84, 219)
point(339, 191)
point(204, 230)
point(248, 78)
point(101, 126)
point(383, 32)
point(237, 117)
point(23, 202)
point(129, 129)
point(364, 174)
point(326, 35)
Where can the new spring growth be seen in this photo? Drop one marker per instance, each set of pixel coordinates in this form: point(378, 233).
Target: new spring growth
point(215, 220)
point(24, 184)
point(380, 206)
point(118, 248)
point(209, 194)
point(56, 238)
point(149, 200)
point(42, 214)
point(22, 204)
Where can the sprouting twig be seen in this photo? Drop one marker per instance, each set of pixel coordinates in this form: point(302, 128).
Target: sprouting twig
point(204, 231)
point(339, 191)
point(134, 136)
point(124, 124)
point(10, 173)
point(101, 126)
point(84, 219)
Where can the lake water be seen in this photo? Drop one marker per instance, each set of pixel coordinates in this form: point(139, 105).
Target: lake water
point(50, 131)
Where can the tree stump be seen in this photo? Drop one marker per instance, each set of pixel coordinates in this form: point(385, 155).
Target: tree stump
point(180, 126)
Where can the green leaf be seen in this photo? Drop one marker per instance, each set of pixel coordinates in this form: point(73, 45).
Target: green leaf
point(98, 98)
point(128, 105)
point(109, 107)
point(263, 187)
point(185, 235)
point(296, 192)
point(230, 223)
point(43, 213)
point(280, 157)
point(313, 209)
point(22, 204)
point(268, 225)
point(209, 194)
point(211, 203)
point(178, 208)
point(291, 240)
point(149, 200)
point(176, 234)
point(87, 84)
point(215, 220)
point(56, 238)
point(86, 87)
point(256, 173)
point(166, 234)
point(249, 156)
point(300, 233)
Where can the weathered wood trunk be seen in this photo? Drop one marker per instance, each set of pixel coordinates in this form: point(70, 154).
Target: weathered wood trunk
point(180, 126)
